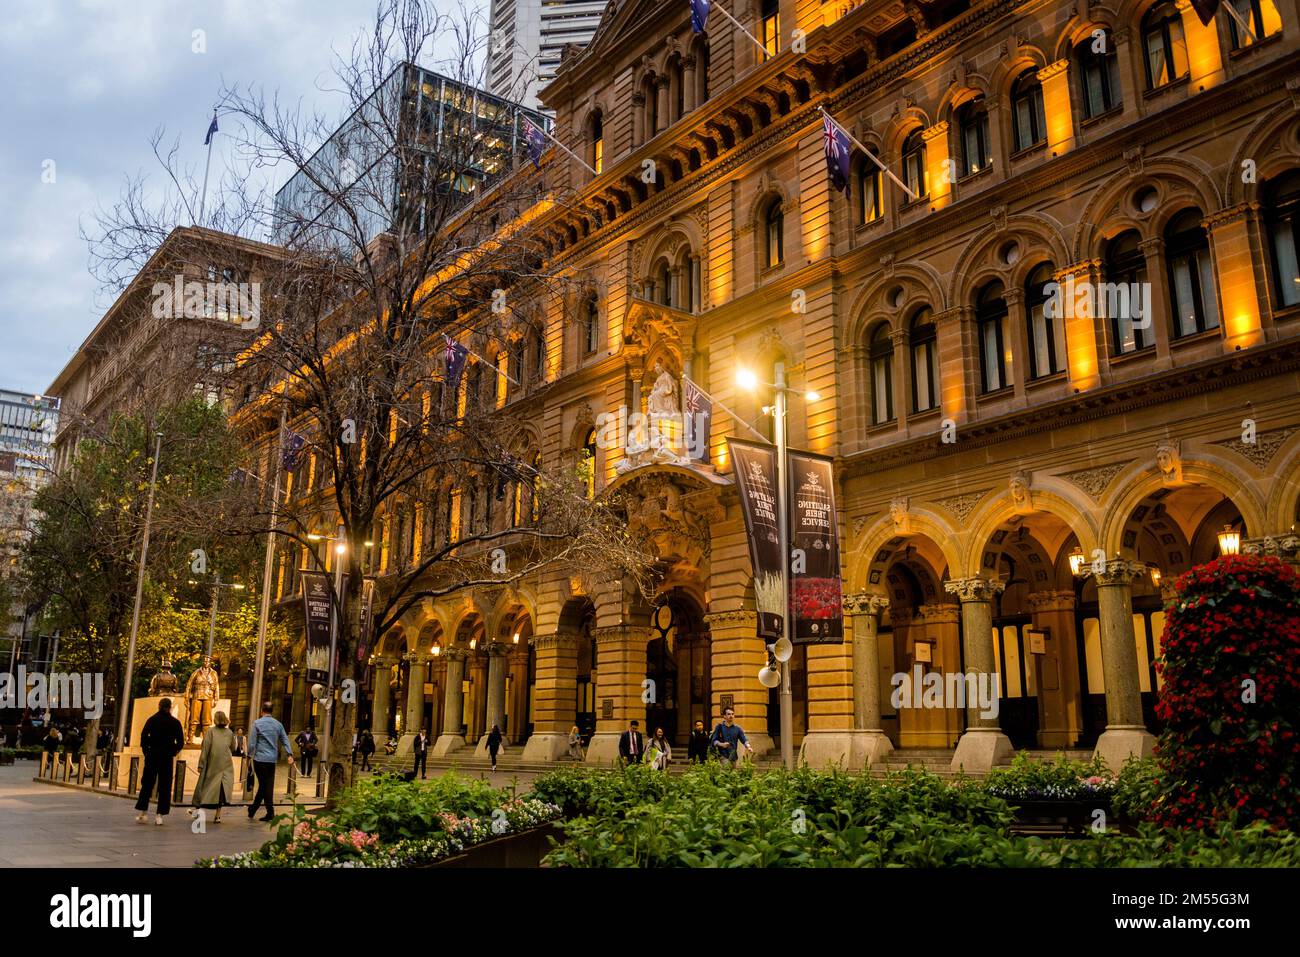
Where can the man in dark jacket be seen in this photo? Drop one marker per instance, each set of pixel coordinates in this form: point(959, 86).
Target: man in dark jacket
point(161, 740)
point(631, 745)
point(698, 749)
point(420, 748)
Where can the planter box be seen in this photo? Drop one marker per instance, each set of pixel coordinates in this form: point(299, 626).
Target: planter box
point(525, 849)
point(1070, 817)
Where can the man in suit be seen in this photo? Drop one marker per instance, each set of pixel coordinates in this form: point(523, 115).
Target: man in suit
point(421, 750)
point(698, 751)
point(631, 746)
point(161, 740)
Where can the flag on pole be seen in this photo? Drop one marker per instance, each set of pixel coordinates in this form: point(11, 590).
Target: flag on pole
point(293, 446)
point(455, 356)
point(212, 129)
point(1205, 10)
point(698, 406)
point(839, 150)
point(536, 140)
point(700, 14)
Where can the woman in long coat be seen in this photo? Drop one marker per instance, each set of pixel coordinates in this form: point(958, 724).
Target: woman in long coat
point(216, 784)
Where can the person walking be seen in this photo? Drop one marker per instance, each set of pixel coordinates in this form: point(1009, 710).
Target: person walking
point(575, 744)
point(307, 748)
point(728, 738)
point(241, 744)
point(420, 748)
point(216, 782)
point(366, 747)
point(161, 739)
point(697, 750)
point(631, 744)
point(494, 744)
point(267, 739)
point(661, 749)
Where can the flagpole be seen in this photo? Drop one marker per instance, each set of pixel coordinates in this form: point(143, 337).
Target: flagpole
point(556, 141)
point(254, 706)
point(203, 200)
point(874, 158)
point(739, 26)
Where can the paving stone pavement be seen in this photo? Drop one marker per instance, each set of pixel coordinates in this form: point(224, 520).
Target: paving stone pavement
point(42, 825)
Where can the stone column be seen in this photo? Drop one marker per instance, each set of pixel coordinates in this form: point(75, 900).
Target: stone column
point(1161, 318)
point(983, 746)
point(902, 376)
point(413, 717)
point(1126, 732)
point(865, 743)
point(688, 77)
point(1018, 333)
point(495, 694)
point(383, 691)
point(638, 118)
point(621, 653)
point(737, 655)
point(453, 705)
point(1060, 711)
point(661, 108)
point(555, 696)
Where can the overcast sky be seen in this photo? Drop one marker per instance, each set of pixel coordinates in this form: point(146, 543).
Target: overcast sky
point(84, 84)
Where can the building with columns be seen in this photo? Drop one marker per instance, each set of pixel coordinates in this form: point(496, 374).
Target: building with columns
point(1018, 484)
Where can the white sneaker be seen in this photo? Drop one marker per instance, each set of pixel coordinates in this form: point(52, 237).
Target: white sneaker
point(142, 818)
point(157, 819)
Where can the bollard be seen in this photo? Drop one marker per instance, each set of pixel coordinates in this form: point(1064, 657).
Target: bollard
point(133, 777)
point(291, 790)
point(178, 784)
point(40, 771)
point(112, 772)
point(81, 770)
point(65, 769)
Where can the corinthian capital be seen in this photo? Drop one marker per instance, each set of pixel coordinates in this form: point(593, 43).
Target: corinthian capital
point(974, 589)
point(865, 603)
point(1119, 571)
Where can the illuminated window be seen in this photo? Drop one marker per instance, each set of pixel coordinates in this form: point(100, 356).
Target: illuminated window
point(1163, 45)
point(771, 26)
point(1046, 332)
point(1098, 74)
point(598, 142)
point(973, 124)
point(994, 338)
point(453, 517)
point(881, 354)
point(588, 464)
point(503, 382)
point(1027, 111)
point(1262, 16)
point(1191, 274)
point(869, 209)
point(923, 342)
point(1282, 214)
point(914, 163)
point(774, 233)
point(591, 326)
point(1126, 271)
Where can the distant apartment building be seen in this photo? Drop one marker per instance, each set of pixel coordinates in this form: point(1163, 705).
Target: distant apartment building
point(528, 41)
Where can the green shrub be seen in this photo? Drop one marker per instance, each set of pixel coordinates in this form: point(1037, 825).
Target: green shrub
point(1138, 790)
point(396, 809)
point(1059, 780)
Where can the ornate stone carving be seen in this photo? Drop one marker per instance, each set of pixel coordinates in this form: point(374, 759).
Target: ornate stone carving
point(1283, 546)
point(561, 639)
point(1169, 460)
point(865, 603)
point(1133, 157)
point(974, 589)
point(727, 619)
point(1095, 480)
point(962, 505)
point(1265, 446)
point(1021, 495)
point(898, 511)
point(1119, 571)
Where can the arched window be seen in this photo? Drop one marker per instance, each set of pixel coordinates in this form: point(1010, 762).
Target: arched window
point(924, 343)
point(995, 341)
point(650, 91)
point(1282, 215)
point(1046, 321)
point(973, 128)
point(1027, 110)
point(689, 270)
point(1126, 271)
point(1262, 16)
point(770, 17)
point(591, 326)
point(1191, 274)
point(587, 464)
point(869, 208)
point(597, 142)
point(664, 283)
point(881, 355)
point(914, 163)
point(774, 234)
point(1098, 74)
point(1163, 46)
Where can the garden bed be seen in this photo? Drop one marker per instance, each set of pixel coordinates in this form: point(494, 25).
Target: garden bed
point(525, 849)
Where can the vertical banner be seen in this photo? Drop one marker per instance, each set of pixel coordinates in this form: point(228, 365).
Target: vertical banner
point(755, 467)
point(816, 593)
point(316, 615)
point(367, 607)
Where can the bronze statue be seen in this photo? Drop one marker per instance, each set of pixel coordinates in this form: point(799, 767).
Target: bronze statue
point(201, 693)
point(164, 682)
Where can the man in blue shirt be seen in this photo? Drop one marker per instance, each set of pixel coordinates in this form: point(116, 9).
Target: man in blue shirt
point(264, 744)
point(728, 738)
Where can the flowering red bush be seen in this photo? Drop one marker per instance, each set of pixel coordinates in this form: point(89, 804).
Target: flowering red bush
point(1231, 696)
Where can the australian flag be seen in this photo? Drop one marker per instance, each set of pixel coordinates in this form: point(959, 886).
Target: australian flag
point(455, 355)
point(700, 14)
point(536, 140)
point(1205, 10)
point(698, 406)
point(293, 446)
point(839, 149)
point(212, 129)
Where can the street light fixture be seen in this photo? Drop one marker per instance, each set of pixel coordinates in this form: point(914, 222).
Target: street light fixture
point(1077, 562)
point(1229, 541)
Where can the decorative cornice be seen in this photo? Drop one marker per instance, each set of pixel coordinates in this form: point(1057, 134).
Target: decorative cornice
point(561, 639)
point(725, 618)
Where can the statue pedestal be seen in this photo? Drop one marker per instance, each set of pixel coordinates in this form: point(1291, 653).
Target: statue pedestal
point(142, 709)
